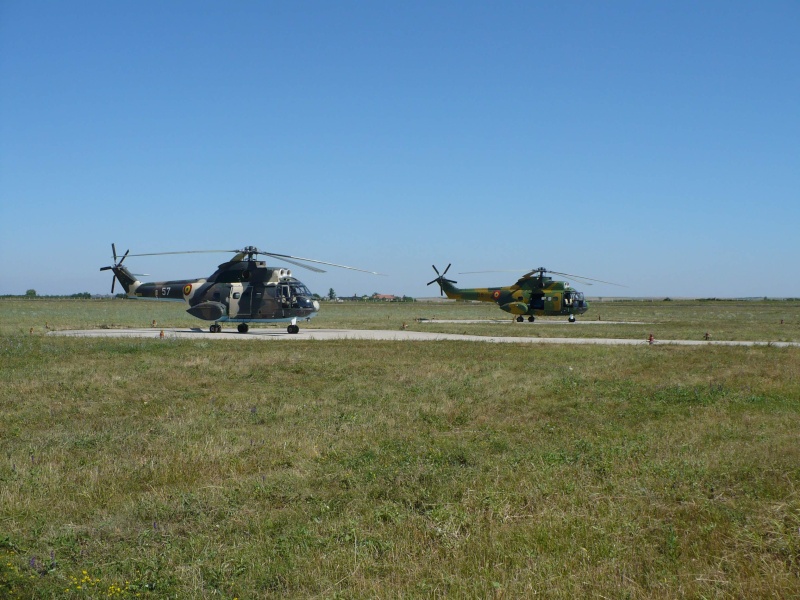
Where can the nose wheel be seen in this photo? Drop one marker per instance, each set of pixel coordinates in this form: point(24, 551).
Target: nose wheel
point(243, 327)
point(572, 318)
point(215, 328)
point(293, 329)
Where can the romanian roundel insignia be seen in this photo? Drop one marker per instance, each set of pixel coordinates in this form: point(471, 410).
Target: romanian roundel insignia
point(187, 289)
point(496, 294)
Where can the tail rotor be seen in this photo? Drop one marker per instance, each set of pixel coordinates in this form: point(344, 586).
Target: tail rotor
point(115, 265)
point(441, 279)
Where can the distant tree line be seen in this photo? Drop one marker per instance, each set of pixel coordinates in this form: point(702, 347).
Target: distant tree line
point(33, 294)
point(332, 296)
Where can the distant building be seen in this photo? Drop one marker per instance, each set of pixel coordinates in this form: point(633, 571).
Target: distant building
point(373, 298)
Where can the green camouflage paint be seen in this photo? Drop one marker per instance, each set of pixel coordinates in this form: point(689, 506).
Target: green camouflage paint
point(530, 295)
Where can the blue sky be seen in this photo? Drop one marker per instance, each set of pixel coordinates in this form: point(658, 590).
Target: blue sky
point(653, 144)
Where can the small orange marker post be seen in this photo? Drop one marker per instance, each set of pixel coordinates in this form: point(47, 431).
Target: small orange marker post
point(161, 335)
point(650, 339)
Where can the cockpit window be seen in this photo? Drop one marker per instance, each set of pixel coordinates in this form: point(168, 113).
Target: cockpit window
point(300, 290)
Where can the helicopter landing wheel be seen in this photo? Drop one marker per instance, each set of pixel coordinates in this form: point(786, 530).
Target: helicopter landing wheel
point(243, 327)
point(531, 319)
point(215, 328)
point(293, 329)
point(520, 319)
point(572, 318)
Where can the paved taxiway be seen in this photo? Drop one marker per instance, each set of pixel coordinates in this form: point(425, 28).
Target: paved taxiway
point(365, 334)
point(538, 322)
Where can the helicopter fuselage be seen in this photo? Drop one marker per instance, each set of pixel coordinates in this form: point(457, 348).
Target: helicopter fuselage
point(533, 296)
point(244, 291)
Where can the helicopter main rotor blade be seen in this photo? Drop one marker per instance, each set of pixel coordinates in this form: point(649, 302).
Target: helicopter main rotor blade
point(185, 252)
point(543, 271)
point(301, 265)
point(492, 271)
point(251, 251)
point(539, 272)
point(586, 279)
point(321, 262)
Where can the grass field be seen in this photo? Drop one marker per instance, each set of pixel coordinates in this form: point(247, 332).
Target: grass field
point(775, 320)
point(354, 469)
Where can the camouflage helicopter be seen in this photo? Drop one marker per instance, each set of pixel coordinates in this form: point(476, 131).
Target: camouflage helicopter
point(534, 294)
point(243, 290)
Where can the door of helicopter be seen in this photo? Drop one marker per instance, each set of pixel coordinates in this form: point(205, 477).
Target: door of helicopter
point(238, 303)
point(285, 297)
point(246, 301)
point(557, 302)
point(537, 301)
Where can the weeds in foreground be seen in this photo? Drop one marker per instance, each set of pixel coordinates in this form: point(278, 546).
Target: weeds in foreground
point(376, 469)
